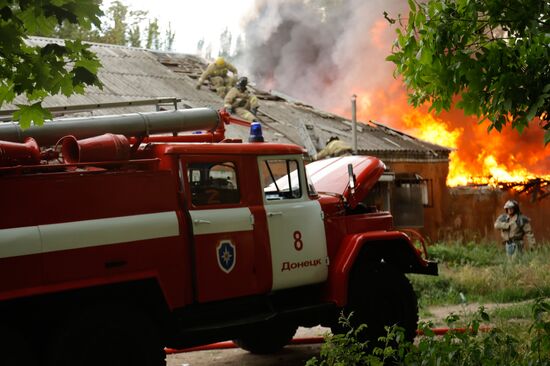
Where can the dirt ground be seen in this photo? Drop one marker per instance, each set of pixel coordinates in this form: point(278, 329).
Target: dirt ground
point(293, 355)
point(297, 355)
point(438, 314)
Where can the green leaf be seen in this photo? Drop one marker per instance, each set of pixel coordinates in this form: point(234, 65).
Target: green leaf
point(83, 76)
point(393, 58)
point(6, 92)
point(53, 48)
point(426, 56)
point(66, 85)
point(546, 137)
point(37, 94)
point(31, 113)
point(89, 64)
point(35, 22)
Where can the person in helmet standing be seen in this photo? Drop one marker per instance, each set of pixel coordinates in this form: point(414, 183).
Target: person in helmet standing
point(217, 74)
point(241, 102)
point(515, 229)
point(334, 147)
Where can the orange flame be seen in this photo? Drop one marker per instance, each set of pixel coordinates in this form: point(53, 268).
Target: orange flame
point(479, 157)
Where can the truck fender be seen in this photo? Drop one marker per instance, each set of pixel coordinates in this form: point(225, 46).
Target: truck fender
point(394, 247)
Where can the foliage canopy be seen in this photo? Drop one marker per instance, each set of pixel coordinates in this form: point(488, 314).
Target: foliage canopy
point(120, 25)
point(36, 71)
point(491, 54)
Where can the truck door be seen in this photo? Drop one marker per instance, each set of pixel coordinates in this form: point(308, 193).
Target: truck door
point(222, 230)
point(295, 224)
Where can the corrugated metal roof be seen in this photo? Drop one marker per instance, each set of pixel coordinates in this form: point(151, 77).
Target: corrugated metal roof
point(136, 74)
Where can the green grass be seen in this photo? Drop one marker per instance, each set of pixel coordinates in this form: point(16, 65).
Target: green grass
point(483, 274)
point(521, 311)
point(473, 254)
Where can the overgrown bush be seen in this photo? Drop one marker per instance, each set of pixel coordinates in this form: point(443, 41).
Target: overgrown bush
point(468, 347)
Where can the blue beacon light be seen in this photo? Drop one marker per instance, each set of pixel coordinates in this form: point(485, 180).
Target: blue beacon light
point(256, 132)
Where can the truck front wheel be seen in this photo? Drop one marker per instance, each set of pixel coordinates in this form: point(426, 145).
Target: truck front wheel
point(380, 296)
point(268, 338)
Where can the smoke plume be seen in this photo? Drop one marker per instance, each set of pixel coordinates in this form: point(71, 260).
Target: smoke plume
point(323, 55)
point(320, 55)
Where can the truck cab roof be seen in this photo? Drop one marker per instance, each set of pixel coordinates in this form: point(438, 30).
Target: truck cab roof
point(232, 148)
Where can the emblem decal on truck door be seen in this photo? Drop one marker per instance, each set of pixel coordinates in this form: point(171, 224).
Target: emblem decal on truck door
point(226, 255)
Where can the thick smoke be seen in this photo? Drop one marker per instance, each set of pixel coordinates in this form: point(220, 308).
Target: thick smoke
point(320, 55)
point(323, 56)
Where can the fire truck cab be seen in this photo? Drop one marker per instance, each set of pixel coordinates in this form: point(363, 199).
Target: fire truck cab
point(126, 243)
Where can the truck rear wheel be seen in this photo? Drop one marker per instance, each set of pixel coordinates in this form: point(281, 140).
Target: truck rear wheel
point(107, 336)
point(381, 296)
point(268, 338)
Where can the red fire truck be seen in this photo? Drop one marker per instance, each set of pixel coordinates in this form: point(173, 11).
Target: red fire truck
point(143, 231)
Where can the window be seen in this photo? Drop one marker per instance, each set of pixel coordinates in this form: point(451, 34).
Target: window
point(427, 192)
point(280, 179)
point(213, 183)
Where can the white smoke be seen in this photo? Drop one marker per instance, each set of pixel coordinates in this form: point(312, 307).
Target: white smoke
point(320, 56)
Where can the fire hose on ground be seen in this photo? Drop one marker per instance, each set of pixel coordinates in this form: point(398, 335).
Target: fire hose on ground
point(305, 340)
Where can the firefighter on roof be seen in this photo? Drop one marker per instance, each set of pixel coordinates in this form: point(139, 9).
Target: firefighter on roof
point(333, 148)
point(515, 229)
point(241, 102)
point(217, 74)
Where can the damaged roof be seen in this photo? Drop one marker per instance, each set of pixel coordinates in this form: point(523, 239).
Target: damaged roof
point(135, 74)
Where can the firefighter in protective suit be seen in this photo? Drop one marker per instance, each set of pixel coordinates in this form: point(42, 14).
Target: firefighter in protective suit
point(515, 229)
point(217, 74)
point(333, 148)
point(241, 102)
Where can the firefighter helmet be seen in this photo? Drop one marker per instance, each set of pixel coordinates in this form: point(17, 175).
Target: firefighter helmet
point(241, 83)
point(514, 205)
point(220, 61)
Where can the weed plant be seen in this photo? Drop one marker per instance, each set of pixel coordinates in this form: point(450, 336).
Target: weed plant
point(456, 348)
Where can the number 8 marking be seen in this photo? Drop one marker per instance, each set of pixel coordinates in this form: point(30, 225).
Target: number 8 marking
point(298, 243)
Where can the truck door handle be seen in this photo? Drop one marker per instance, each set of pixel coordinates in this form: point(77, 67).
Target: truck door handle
point(198, 221)
point(274, 213)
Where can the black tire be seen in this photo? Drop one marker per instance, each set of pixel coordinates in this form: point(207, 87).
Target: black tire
point(268, 338)
point(380, 296)
point(107, 336)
